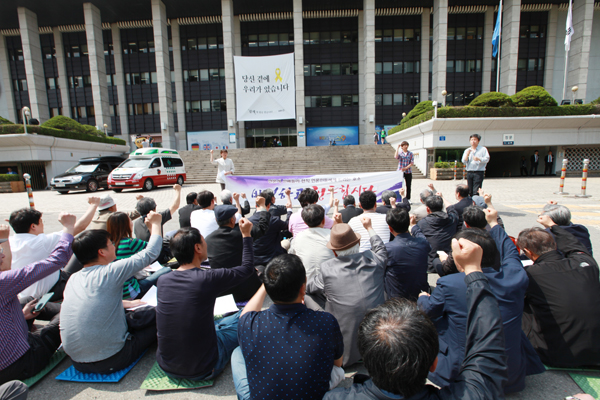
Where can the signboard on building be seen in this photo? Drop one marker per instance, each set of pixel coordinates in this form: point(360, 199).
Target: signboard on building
point(326, 135)
point(508, 139)
point(265, 87)
point(208, 140)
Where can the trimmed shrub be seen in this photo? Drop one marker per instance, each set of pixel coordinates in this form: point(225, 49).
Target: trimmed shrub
point(419, 109)
point(446, 164)
point(492, 99)
point(597, 101)
point(9, 178)
point(533, 96)
point(4, 121)
point(67, 124)
point(43, 130)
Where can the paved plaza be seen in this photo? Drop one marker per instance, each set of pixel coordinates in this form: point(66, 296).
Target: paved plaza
point(518, 200)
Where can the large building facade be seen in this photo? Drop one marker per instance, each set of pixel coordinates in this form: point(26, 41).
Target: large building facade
point(166, 68)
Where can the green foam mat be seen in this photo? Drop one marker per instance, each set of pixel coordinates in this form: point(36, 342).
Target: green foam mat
point(572, 369)
point(54, 361)
point(158, 380)
point(589, 384)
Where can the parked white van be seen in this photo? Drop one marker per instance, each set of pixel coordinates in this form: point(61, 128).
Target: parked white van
point(147, 168)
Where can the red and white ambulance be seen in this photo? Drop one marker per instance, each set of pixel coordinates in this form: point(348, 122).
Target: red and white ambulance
point(147, 168)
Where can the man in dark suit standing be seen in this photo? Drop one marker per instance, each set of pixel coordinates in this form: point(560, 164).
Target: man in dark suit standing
point(535, 160)
point(350, 211)
point(464, 201)
point(523, 167)
point(549, 164)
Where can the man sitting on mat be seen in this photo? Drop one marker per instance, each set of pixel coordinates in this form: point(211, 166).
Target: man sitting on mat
point(97, 333)
point(24, 354)
point(191, 345)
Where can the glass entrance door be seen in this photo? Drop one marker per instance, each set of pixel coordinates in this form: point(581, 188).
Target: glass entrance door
point(269, 137)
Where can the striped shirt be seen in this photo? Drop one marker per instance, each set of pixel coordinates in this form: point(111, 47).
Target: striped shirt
point(380, 227)
point(404, 160)
point(13, 329)
point(128, 247)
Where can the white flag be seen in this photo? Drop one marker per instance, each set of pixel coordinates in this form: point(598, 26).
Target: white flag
point(569, 29)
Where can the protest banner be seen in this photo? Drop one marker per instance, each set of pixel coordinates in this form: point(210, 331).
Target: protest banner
point(343, 185)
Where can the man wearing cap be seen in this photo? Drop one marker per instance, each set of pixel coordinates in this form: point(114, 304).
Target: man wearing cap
point(351, 283)
point(225, 245)
point(106, 208)
point(147, 204)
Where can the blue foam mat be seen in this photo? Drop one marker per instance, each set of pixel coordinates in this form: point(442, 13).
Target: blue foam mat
point(72, 375)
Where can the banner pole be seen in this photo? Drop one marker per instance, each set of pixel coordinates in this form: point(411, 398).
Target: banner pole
point(499, 49)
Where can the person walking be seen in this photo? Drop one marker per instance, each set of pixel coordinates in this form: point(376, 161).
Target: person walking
point(475, 159)
point(406, 160)
point(224, 165)
point(549, 164)
point(375, 138)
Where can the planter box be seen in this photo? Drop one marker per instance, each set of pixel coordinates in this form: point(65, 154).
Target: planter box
point(444, 174)
point(18, 186)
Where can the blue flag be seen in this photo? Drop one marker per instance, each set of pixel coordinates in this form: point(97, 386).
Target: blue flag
point(497, 31)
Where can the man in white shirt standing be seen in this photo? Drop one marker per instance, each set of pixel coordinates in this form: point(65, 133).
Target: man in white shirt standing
point(475, 159)
point(368, 202)
point(204, 219)
point(31, 244)
point(225, 167)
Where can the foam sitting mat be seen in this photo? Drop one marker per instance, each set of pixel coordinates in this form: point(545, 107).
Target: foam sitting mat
point(572, 369)
point(56, 358)
point(157, 380)
point(589, 384)
point(72, 375)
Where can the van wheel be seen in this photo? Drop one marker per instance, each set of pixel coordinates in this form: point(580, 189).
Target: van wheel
point(180, 180)
point(117, 190)
point(148, 185)
point(63, 191)
point(92, 186)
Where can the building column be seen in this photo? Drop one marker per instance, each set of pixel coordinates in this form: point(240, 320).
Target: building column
point(163, 74)
point(440, 49)
point(361, 77)
point(579, 54)
point(228, 40)
point(367, 118)
point(509, 57)
point(6, 89)
point(550, 48)
point(34, 67)
point(63, 82)
point(425, 26)
point(120, 79)
point(299, 71)
point(237, 51)
point(488, 32)
point(95, 43)
point(180, 100)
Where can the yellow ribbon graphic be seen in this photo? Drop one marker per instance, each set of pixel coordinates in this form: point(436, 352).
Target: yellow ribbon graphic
point(278, 75)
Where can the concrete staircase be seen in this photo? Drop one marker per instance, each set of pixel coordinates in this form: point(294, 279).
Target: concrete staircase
point(294, 161)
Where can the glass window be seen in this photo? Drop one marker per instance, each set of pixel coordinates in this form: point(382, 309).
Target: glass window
point(315, 101)
point(336, 37)
point(283, 39)
point(202, 43)
point(326, 69)
point(398, 99)
point(347, 37)
point(398, 67)
point(214, 74)
point(398, 35)
point(336, 101)
point(540, 65)
point(90, 111)
point(212, 43)
point(542, 31)
point(531, 64)
point(534, 31)
point(387, 99)
point(417, 33)
point(51, 82)
point(151, 46)
point(193, 75)
point(215, 105)
point(417, 67)
point(459, 99)
point(524, 31)
point(82, 112)
point(23, 85)
point(346, 100)
point(203, 74)
point(480, 32)
point(145, 78)
point(147, 108)
point(354, 68)
point(470, 66)
point(409, 67)
point(133, 47)
point(387, 67)
point(135, 79)
point(128, 78)
point(478, 66)
point(317, 69)
point(305, 35)
point(460, 33)
point(378, 99)
point(346, 68)
point(54, 112)
point(155, 108)
point(87, 81)
point(314, 38)
point(449, 66)
point(306, 102)
point(354, 99)
point(273, 39)
point(172, 76)
point(325, 101)
point(223, 104)
point(459, 66)
point(451, 33)
point(409, 35)
point(378, 68)
point(205, 105)
point(143, 46)
point(522, 64)
point(325, 37)
point(378, 35)
point(336, 69)
point(471, 32)
point(195, 106)
point(388, 35)
point(221, 73)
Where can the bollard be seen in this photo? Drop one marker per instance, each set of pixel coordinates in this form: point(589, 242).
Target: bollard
point(586, 164)
point(454, 169)
point(563, 173)
point(29, 191)
point(464, 172)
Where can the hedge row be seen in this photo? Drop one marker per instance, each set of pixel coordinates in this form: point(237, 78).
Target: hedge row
point(4, 121)
point(494, 112)
point(9, 178)
point(445, 164)
point(41, 130)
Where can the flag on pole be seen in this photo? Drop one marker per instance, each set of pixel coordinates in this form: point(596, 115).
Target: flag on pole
point(569, 29)
point(497, 31)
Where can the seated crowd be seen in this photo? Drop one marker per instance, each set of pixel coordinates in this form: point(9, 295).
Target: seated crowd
point(344, 289)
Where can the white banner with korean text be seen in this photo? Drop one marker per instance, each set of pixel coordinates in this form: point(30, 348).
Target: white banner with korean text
point(343, 185)
point(265, 87)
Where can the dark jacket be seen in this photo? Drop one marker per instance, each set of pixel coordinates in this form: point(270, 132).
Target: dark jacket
point(459, 207)
point(580, 232)
point(562, 304)
point(225, 247)
point(350, 212)
point(245, 208)
point(277, 211)
point(438, 227)
point(483, 371)
point(383, 209)
point(184, 215)
point(532, 159)
point(269, 246)
point(406, 272)
point(447, 306)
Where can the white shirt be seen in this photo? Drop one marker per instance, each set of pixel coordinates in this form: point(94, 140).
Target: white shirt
point(223, 165)
point(380, 227)
point(311, 246)
point(27, 249)
point(204, 220)
point(473, 165)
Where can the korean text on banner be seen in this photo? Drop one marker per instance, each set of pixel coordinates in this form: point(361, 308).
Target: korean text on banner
point(343, 185)
point(265, 87)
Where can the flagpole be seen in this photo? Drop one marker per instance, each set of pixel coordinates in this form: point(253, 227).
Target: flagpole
point(499, 49)
point(565, 77)
point(567, 46)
